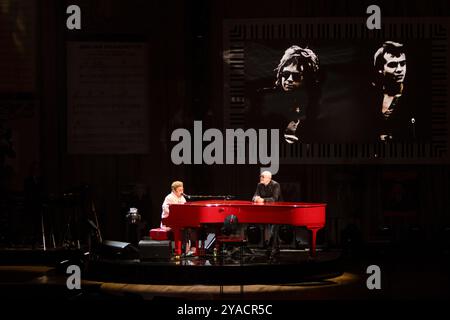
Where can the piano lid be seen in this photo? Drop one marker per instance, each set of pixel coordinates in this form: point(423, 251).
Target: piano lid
point(215, 203)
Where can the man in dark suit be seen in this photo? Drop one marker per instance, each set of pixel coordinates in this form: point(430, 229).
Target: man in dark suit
point(269, 190)
point(395, 115)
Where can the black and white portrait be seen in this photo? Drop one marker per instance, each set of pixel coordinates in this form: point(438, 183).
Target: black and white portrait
point(329, 91)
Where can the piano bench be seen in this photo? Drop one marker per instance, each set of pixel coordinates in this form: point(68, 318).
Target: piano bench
point(161, 234)
point(221, 241)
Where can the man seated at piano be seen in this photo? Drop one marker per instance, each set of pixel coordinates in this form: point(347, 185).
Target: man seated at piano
point(269, 190)
point(175, 197)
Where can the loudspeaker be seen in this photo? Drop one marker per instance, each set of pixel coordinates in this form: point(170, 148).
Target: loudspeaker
point(286, 234)
point(155, 250)
point(117, 250)
point(255, 235)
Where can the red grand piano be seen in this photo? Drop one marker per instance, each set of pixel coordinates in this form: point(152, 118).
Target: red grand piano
point(195, 214)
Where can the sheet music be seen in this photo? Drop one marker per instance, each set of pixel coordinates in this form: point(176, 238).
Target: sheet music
point(107, 98)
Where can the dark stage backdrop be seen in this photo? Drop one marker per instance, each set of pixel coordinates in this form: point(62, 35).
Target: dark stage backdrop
point(214, 61)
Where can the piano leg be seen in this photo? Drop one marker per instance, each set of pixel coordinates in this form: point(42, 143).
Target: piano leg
point(177, 238)
point(195, 244)
point(313, 241)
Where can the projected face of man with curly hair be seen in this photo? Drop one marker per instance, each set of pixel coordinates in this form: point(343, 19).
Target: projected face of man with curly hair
point(297, 73)
point(297, 66)
point(291, 77)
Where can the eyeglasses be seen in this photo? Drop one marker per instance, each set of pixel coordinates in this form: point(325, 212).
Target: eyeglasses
point(296, 76)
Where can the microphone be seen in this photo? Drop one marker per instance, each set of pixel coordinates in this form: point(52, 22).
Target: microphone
point(227, 197)
point(413, 122)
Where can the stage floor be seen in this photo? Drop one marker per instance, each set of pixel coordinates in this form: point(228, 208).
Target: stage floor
point(405, 275)
point(231, 268)
point(41, 282)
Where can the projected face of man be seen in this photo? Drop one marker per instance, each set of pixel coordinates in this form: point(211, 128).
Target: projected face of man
point(394, 70)
point(291, 77)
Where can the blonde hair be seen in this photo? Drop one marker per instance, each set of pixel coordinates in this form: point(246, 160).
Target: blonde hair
point(176, 184)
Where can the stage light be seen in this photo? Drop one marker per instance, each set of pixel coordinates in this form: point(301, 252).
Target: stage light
point(133, 217)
